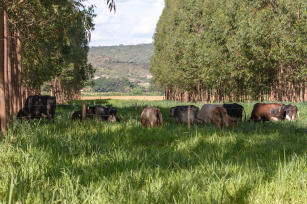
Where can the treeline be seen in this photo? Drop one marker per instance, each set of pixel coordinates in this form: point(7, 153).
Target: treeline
point(42, 42)
point(112, 85)
point(232, 50)
point(139, 54)
point(121, 85)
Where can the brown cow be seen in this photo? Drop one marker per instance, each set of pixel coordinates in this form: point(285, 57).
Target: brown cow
point(151, 116)
point(221, 119)
point(217, 114)
point(268, 112)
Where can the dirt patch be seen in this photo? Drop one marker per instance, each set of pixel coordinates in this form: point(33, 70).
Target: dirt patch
point(141, 98)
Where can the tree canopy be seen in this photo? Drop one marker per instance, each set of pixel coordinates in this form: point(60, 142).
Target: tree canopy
point(54, 36)
point(232, 48)
point(54, 39)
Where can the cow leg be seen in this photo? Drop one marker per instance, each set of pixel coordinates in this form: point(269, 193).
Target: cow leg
point(274, 119)
point(143, 123)
point(46, 116)
point(288, 118)
point(49, 116)
point(217, 124)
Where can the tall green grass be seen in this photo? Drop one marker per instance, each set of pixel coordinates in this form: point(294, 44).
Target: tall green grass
point(98, 162)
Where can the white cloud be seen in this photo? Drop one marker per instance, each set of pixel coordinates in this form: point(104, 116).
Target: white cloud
point(133, 23)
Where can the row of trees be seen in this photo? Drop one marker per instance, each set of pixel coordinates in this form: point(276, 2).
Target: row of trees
point(43, 41)
point(208, 50)
point(112, 85)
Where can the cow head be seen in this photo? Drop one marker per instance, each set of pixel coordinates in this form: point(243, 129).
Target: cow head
point(112, 118)
point(290, 112)
point(231, 122)
point(90, 110)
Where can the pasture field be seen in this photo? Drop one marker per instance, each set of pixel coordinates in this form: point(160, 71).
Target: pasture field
point(143, 98)
point(98, 162)
point(99, 94)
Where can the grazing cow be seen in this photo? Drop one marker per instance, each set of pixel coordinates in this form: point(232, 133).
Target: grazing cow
point(38, 106)
point(234, 110)
point(221, 119)
point(217, 114)
point(290, 112)
point(268, 112)
point(23, 113)
point(90, 113)
point(180, 114)
point(151, 116)
point(76, 115)
point(105, 113)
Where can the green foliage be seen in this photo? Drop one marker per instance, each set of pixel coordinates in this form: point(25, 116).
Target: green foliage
point(54, 37)
point(97, 162)
point(236, 46)
point(112, 85)
point(121, 86)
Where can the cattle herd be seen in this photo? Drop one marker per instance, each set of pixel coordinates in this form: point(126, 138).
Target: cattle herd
point(226, 115)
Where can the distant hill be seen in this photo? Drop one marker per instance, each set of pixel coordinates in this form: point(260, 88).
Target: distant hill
point(128, 61)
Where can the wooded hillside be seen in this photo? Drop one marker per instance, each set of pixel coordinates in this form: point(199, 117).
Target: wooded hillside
point(208, 50)
point(124, 61)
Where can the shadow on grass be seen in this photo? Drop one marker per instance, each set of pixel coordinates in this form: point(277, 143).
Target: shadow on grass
point(125, 147)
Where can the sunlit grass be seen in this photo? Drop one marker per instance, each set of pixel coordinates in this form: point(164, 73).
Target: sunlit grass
point(98, 162)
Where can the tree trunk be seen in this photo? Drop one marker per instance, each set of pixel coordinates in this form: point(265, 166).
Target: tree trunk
point(19, 72)
point(304, 92)
point(9, 78)
point(3, 64)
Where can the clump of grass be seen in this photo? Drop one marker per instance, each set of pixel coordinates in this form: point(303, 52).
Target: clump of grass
point(99, 162)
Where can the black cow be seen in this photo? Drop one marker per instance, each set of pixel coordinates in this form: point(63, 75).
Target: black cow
point(38, 106)
point(105, 113)
point(234, 110)
point(90, 113)
point(180, 114)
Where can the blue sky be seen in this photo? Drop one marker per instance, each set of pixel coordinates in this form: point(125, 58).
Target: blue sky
point(133, 23)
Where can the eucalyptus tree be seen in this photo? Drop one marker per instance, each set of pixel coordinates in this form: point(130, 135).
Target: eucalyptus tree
point(237, 49)
point(42, 40)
